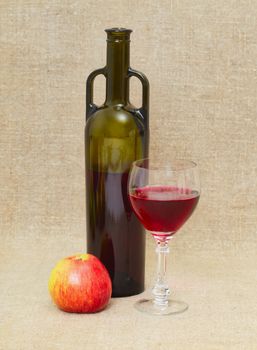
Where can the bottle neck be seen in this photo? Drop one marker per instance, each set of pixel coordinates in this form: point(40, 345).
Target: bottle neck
point(117, 81)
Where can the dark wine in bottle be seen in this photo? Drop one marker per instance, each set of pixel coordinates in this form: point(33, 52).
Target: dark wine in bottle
point(116, 134)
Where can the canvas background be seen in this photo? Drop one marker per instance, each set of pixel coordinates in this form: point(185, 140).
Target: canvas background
point(201, 61)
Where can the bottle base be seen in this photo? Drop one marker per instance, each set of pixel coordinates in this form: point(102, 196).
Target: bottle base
point(124, 286)
point(127, 293)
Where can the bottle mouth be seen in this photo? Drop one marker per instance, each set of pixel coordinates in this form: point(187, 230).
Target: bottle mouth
point(118, 34)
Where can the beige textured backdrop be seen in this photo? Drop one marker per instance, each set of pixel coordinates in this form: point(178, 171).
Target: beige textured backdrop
point(201, 59)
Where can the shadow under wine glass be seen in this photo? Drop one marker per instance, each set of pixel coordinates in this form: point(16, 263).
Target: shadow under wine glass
point(163, 195)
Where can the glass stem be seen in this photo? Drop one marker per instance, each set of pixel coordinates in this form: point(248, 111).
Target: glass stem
point(161, 290)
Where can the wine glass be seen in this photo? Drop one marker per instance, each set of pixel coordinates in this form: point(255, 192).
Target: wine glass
point(163, 195)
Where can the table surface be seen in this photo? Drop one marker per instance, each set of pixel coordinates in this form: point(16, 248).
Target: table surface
point(218, 282)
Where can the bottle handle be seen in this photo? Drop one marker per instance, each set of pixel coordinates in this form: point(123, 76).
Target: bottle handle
point(145, 98)
point(90, 106)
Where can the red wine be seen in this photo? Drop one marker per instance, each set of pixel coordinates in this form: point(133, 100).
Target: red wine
point(163, 209)
point(115, 234)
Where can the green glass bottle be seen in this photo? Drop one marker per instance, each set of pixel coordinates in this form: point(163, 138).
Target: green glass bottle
point(116, 134)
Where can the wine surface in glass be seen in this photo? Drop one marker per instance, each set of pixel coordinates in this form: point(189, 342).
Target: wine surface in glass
point(163, 209)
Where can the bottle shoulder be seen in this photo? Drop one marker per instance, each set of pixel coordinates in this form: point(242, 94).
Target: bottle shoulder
point(116, 119)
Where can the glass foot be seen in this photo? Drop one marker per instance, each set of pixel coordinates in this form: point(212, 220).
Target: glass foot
point(171, 308)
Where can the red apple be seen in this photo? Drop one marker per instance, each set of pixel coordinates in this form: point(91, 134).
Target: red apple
point(80, 283)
